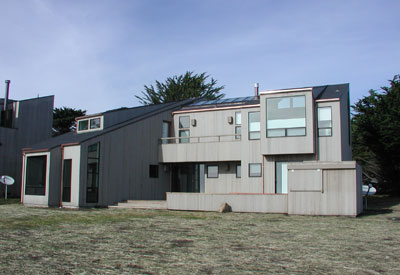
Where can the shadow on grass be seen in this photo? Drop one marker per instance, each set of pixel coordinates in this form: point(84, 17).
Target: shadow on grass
point(381, 204)
point(9, 201)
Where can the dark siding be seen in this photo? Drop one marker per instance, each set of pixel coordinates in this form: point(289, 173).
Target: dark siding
point(125, 156)
point(34, 124)
point(55, 177)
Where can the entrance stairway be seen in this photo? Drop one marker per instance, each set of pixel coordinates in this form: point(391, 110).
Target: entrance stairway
point(153, 204)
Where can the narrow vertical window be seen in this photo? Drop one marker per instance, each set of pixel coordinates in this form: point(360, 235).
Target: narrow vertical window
point(67, 169)
point(184, 129)
point(324, 121)
point(254, 125)
point(165, 131)
point(238, 125)
point(238, 171)
point(92, 188)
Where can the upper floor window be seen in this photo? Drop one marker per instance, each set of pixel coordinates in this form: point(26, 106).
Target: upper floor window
point(238, 125)
point(184, 129)
point(165, 131)
point(90, 124)
point(324, 121)
point(286, 116)
point(254, 125)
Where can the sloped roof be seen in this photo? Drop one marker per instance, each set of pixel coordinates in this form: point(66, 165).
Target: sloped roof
point(128, 116)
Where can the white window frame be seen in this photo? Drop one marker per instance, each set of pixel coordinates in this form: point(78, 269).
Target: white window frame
point(89, 119)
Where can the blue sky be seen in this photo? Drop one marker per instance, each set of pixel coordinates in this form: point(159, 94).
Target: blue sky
point(96, 55)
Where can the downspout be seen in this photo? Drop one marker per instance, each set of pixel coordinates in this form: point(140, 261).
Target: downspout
point(316, 137)
point(262, 167)
point(23, 178)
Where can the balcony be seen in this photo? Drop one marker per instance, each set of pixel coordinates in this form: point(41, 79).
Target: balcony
point(200, 149)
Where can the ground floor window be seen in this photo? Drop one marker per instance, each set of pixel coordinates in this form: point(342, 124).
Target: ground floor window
point(238, 171)
point(187, 177)
point(254, 169)
point(153, 171)
point(67, 169)
point(35, 180)
point(281, 183)
point(92, 189)
point(212, 171)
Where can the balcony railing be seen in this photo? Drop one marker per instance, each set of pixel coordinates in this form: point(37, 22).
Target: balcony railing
point(200, 139)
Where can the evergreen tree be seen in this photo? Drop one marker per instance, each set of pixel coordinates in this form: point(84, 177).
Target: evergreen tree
point(376, 136)
point(64, 120)
point(181, 87)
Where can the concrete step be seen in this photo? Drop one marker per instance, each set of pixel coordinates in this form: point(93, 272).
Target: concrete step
point(141, 204)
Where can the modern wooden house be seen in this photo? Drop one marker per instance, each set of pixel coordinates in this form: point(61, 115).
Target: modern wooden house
point(22, 123)
point(281, 151)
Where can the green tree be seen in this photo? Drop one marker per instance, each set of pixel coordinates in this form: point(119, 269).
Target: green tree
point(376, 136)
point(64, 120)
point(181, 87)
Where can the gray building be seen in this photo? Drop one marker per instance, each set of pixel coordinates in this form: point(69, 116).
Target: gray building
point(112, 156)
point(280, 151)
point(22, 123)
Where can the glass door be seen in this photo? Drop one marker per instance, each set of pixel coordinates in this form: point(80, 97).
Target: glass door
point(281, 185)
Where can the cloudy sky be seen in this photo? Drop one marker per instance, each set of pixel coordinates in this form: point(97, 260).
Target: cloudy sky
point(97, 55)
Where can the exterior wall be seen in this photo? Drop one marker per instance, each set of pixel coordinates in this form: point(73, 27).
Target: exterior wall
point(270, 168)
point(345, 127)
point(288, 145)
point(329, 148)
point(239, 203)
point(324, 188)
point(35, 200)
point(125, 156)
point(73, 153)
point(32, 123)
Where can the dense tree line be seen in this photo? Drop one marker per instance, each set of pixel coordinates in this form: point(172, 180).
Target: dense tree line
point(376, 136)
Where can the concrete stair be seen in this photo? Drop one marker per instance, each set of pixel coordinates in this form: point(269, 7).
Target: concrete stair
point(153, 204)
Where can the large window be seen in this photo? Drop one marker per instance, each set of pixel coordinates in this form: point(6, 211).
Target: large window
point(212, 171)
point(325, 121)
point(255, 169)
point(286, 116)
point(184, 129)
point(90, 124)
point(92, 189)
point(35, 181)
point(254, 125)
point(238, 125)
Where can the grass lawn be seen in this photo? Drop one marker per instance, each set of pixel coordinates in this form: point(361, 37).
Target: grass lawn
point(126, 241)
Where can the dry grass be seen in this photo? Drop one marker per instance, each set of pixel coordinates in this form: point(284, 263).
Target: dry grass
point(119, 241)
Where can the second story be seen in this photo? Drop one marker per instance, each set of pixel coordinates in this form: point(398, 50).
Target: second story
point(312, 121)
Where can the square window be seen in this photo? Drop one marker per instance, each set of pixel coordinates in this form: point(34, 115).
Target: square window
point(83, 125)
point(212, 171)
point(238, 118)
point(254, 169)
point(184, 122)
point(183, 134)
point(95, 123)
point(153, 171)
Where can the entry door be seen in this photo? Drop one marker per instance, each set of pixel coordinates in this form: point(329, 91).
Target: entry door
point(281, 184)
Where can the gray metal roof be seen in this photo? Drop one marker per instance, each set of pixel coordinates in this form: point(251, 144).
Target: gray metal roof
point(135, 114)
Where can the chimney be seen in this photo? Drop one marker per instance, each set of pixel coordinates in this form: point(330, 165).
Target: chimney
point(256, 94)
point(6, 95)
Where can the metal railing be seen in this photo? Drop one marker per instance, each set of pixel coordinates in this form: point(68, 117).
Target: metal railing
point(200, 139)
